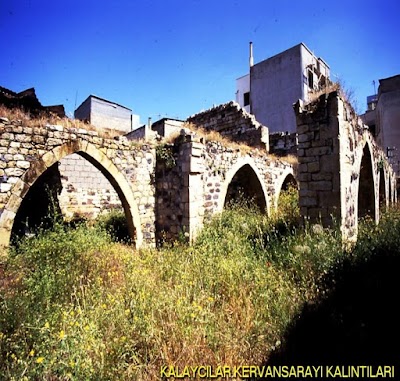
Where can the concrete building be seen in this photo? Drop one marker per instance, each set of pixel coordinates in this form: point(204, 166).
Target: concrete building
point(388, 119)
point(273, 85)
point(102, 113)
point(383, 118)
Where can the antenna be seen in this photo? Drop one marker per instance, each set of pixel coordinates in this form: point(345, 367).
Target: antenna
point(373, 82)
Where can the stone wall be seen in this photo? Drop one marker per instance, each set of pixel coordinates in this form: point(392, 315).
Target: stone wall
point(86, 192)
point(170, 198)
point(195, 178)
point(233, 122)
point(339, 165)
point(26, 152)
point(283, 143)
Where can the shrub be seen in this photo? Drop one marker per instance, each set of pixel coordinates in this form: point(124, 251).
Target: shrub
point(114, 222)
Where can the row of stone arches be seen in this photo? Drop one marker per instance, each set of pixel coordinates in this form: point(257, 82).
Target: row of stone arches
point(242, 180)
point(375, 188)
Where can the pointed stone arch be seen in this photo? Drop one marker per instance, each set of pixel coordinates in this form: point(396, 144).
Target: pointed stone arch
point(244, 174)
point(96, 157)
point(366, 196)
point(286, 180)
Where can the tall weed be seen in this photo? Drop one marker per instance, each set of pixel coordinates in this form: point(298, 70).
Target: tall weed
point(77, 306)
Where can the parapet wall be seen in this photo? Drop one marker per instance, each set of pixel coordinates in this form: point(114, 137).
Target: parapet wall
point(233, 122)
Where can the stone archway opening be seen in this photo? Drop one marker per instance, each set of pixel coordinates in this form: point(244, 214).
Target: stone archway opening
point(366, 188)
point(245, 187)
point(63, 195)
point(288, 200)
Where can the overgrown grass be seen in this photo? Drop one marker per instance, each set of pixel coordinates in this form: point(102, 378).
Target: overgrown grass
point(76, 306)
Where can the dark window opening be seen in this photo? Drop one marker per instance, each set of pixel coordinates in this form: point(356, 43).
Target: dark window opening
point(310, 79)
point(246, 99)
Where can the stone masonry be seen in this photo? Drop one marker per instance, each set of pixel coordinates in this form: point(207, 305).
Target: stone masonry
point(27, 152)
point(233, 122)
point(340, 165)
point(200, 176)
point(169, 190)
point(86, 192)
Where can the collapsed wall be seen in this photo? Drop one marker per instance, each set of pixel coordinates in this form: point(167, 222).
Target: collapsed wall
point(233, 122)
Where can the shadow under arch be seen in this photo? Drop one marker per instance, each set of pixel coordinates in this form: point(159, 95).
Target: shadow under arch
point(243, 179)
point(91, 153)
point(366, 185)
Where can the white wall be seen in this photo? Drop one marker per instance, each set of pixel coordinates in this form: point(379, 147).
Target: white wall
point(242, 87)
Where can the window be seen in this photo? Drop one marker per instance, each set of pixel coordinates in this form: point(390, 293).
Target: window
point(310, 79)
point(246, 99)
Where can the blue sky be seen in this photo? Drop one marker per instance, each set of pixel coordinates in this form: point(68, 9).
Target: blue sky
point(177, 57)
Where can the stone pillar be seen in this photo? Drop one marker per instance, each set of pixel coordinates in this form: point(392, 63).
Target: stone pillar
point(193, 191)
point(319, 164)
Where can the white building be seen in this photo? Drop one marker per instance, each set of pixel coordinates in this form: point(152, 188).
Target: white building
point(273, 85)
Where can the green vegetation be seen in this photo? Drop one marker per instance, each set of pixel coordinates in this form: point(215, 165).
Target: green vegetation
point(74, 305)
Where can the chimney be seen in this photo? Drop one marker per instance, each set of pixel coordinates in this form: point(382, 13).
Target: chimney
point(251, 59)
point(147, 129)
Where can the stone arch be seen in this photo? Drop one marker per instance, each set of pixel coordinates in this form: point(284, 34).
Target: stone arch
point(287, 179)
point(96, 157)
point(245, 172)
point(366, 198)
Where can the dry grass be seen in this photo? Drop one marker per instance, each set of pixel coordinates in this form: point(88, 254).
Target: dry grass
point(171, 138)
point(44, 119)
point(214, 136)
point(346, 93)
point(291, 159)
point(315, 94)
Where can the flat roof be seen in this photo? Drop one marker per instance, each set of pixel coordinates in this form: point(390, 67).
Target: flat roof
point(293, 48)
point(104, 100)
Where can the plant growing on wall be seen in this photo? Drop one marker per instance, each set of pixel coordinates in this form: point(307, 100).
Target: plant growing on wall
point(165, 154)
point(381, 164)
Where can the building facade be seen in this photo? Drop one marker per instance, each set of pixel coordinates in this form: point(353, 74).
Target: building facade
point(383, 118)
point(388, 119)
point(275, 84)
point(102, 113)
